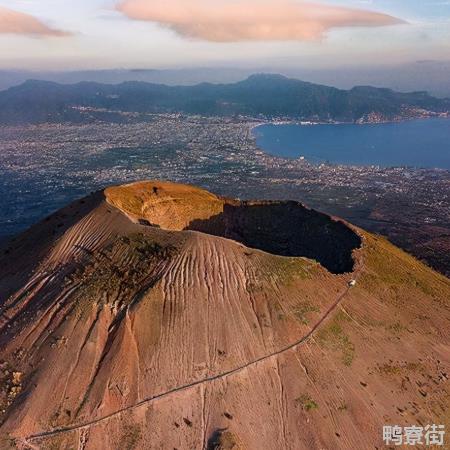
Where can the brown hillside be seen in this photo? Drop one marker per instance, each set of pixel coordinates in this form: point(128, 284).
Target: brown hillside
point(209, 323)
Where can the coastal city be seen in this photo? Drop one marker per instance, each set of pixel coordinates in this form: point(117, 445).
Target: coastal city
point(43, 167)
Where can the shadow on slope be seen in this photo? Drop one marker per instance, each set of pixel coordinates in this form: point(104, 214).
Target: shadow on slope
point(285, 229)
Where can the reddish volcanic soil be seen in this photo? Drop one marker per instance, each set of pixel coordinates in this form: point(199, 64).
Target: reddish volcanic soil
point(160, 316)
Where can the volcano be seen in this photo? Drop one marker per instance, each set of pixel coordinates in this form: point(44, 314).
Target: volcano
point(156, 315)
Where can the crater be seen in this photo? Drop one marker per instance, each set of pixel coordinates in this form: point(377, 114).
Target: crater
point(284, 228)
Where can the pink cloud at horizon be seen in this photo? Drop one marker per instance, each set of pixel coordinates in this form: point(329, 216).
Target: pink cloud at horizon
point(251, 20)
point(14, 22)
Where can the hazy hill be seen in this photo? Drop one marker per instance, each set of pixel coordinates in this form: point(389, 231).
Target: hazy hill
point(428, 75)
point(266, 95)
point(160, 316)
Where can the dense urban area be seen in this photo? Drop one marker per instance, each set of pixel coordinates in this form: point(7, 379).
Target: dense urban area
point(43, 167)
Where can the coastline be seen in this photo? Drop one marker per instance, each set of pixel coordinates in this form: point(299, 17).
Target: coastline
point(411, 153)
point(277, 122)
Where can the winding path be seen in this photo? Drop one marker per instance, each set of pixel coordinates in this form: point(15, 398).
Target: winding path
point(210, 379)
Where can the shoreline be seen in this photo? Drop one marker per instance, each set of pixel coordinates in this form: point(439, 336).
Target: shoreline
point(308, 123)
point(316, 161)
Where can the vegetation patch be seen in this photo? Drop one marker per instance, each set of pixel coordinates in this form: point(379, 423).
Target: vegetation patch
point(334, 338)
point(222, 439)
point(389, 266)
point(303, 309)
point(306, 402)
point(286, 270)
point(391, 369)
point(146, 247)
point(396, 328)
point(124, 267)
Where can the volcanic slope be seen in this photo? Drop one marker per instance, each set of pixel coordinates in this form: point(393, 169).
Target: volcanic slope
point(160, 316)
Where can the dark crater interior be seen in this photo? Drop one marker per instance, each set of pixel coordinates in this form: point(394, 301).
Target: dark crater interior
point(286, 229)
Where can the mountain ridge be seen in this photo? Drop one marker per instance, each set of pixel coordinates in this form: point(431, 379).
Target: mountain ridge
point(268, 95)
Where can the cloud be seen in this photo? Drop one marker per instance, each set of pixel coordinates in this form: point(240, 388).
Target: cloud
point(251, 20)
point(20, 23)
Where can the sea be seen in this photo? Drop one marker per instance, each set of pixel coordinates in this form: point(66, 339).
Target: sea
point(422, 143)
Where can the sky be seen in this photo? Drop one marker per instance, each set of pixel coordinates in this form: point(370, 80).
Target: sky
point(101, 34)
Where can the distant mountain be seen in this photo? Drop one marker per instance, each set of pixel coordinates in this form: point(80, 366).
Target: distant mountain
point(171, 77)
point(272, 96)
point(430, 76)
